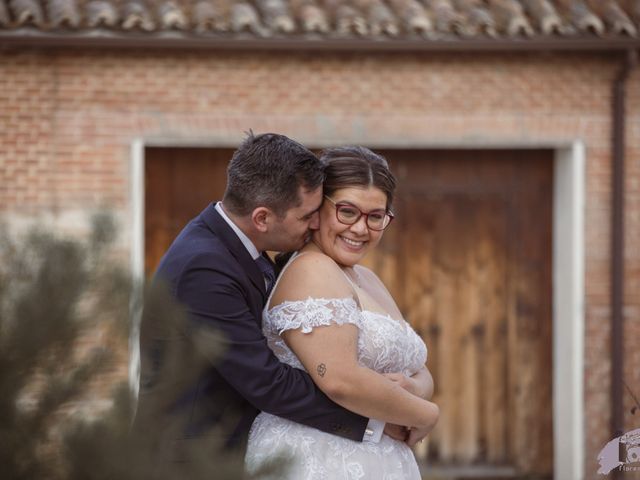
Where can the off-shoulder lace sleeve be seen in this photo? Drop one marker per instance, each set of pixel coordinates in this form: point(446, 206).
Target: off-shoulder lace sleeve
point(311, 313)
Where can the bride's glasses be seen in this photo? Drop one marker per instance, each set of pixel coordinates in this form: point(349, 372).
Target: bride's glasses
point(348, 214)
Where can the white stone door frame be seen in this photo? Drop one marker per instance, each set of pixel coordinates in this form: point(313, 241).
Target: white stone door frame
point(568, 310)
point(568, 279)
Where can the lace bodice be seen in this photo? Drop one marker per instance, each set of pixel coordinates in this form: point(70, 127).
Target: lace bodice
point(384, 344)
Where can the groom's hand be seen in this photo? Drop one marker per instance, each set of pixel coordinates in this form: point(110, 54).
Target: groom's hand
point(397, 432)
point(417, 435)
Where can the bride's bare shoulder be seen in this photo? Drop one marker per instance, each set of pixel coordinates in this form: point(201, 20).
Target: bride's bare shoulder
point(311, 274)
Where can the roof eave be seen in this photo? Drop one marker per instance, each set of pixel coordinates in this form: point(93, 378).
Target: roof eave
point(178, 40)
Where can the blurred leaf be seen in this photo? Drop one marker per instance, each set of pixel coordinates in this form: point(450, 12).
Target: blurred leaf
point(65, 319)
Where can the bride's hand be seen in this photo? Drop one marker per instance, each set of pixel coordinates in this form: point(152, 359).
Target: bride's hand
point(420, 384)
point(408, 383)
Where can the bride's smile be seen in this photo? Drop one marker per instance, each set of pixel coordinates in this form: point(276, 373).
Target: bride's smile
point(347, 243)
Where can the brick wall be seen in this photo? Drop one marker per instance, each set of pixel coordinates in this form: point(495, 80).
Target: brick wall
point(68, 119)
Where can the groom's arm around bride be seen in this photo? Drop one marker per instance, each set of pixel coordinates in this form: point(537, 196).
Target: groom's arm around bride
point(274, 191)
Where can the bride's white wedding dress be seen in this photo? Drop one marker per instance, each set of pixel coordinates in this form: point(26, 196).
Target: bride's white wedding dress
point(384, 345)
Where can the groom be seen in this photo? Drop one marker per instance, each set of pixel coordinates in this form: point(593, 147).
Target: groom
point(217, 270)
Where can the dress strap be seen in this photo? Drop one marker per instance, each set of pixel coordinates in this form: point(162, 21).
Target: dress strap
point(354, 288)
point(289, 262)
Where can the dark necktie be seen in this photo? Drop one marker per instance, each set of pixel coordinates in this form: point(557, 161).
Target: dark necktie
point(269, 274)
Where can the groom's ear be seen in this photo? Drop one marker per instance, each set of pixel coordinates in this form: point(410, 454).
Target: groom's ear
point(261, 219)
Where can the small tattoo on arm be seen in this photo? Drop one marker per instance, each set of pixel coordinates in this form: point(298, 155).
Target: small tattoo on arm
point(321, 369)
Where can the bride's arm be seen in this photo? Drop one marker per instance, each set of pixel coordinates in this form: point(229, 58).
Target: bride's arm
point(329, 353)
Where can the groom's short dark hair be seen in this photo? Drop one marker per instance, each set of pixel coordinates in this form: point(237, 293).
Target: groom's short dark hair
point(266, 171)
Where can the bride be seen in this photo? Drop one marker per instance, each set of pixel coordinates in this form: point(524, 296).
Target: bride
point(336, 320)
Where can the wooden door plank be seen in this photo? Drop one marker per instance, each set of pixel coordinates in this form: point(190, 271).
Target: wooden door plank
point(179, 183)
point(490, 260)
point(157, 209)
point(532, 276)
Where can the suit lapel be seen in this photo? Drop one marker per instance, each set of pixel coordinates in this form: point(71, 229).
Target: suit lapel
point(222, 229)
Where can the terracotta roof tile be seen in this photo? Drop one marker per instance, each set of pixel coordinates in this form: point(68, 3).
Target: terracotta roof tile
point(545, 15)
point(584, 19)
point(172, 17)
point(478, 18)
point(447, 18)
point(244, 18)
point(26, 12)
point(207, 16)
point(348, 19)
point(311, 17)
point(617, 19)
point(379, 17)
point(136, 15)
point(276, 15)
point(413, 17)
point(101, 13)
point(63, 13)
point(422, 20)
point(511, 17)
point(4, 15)
point(633, 7)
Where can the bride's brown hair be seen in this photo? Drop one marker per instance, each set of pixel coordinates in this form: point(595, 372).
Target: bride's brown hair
point(351, 166)
point(355, 166)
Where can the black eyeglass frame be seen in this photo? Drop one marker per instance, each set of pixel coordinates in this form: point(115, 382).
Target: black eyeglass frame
point(337, 206)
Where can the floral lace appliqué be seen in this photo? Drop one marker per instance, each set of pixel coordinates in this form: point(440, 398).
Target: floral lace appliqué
point(311, 313)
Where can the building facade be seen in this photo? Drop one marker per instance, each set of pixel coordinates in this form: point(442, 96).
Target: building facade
point(499, 118)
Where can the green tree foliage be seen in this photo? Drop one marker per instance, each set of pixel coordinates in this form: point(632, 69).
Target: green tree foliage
point(55, 292)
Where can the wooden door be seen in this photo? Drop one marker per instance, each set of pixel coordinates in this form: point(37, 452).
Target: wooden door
point(469, 261)
point(179, 184)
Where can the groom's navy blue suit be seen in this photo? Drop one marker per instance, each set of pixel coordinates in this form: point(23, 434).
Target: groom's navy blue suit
point(212, 275)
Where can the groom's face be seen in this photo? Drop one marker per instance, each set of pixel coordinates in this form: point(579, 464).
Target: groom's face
point(294, 230)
